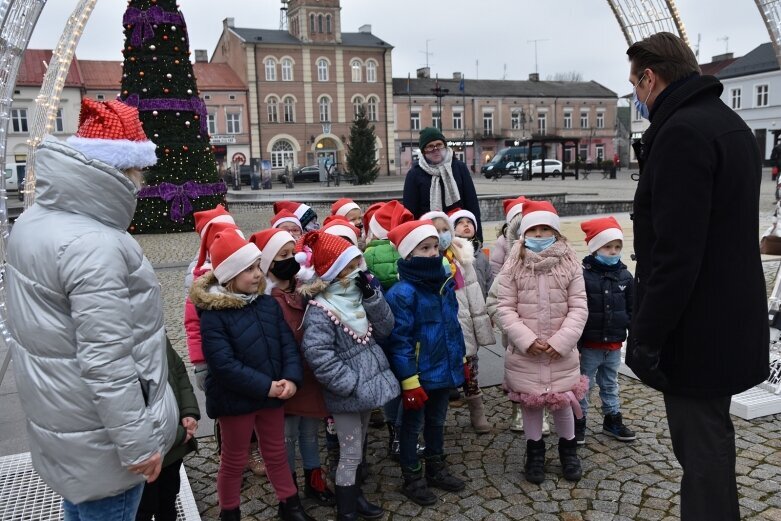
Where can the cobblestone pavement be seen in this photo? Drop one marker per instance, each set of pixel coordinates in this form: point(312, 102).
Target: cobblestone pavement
point(621, 481)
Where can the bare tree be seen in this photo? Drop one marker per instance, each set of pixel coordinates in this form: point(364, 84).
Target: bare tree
point(565, 76)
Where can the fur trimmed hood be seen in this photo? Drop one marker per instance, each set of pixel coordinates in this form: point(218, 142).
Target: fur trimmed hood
point(312, 287)
point(463, 251)
point(206, 293)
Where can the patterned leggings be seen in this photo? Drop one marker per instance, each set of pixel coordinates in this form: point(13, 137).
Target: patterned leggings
point(471, 388)
point(351, 429)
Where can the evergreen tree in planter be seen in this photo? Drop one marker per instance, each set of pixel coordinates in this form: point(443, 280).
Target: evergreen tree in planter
point(361, 161)
point(157, 77)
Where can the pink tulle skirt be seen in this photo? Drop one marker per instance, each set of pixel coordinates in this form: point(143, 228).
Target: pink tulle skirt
point(553, 401)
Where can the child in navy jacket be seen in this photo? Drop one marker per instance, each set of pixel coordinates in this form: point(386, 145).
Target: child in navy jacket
point(609, 288)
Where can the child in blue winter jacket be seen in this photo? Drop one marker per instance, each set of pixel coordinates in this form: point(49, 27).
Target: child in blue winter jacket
point(609, 288)
point(426, 352)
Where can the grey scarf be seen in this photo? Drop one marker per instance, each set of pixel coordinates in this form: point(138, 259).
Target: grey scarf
point(441, 173)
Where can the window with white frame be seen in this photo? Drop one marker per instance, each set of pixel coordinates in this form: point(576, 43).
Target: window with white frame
point(19, 120)
point(325, 108)
point(568, 119)
point(436, 119)
point(583, 119)
point(233, 121)
point(599, 151)
point(355, 66)
point(762, 95)
point(735, 98)
point(282, 154)
point(458, 120)
point(600, 120)
point(414, 120)
point(488, 123)
point(287, 69)
point(322, 69)
point(357, 104)
point(372, 108)
point(272, 108)
point(515, 120)
point(583, 151)
point(371, 71)
point(211, 120)
point(58, 124)
point(290, 109)
point(271, 69)
point(542, 122)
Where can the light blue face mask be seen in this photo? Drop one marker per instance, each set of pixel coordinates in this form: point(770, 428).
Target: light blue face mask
point(607, 260)
point(445, 238)
point(641, 106)
point(539, 244)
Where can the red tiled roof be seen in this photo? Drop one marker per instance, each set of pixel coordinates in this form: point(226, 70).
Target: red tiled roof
point(33, 67)
point(101, 74)
point(217, 76)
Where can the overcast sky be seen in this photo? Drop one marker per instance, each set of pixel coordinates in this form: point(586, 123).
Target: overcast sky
point(578, 35)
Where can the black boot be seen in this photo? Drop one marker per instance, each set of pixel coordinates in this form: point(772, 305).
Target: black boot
point(580, 430)
point(535, 461)
point(570, 463)
point(393, 442)
point(365, 509)
point(416, 488)
point(346, 503)
point(230, 515)
point(315, 487)
point(438, 476)
point(292, 510)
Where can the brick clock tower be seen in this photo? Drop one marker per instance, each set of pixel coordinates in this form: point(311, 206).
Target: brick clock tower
point(314, 21)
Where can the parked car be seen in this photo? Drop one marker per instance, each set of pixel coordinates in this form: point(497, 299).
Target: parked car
point(552, 167)
point(10, 180)
point(304, 173)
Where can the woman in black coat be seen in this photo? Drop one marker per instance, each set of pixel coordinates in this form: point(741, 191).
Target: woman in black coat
point(438, 181)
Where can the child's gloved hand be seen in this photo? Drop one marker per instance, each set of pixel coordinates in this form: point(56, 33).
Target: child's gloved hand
point(363, 283)
point(414, 399)
point(467, 371)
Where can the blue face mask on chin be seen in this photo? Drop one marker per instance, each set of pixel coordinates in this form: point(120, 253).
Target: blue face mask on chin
point(445, 238)
point(539, 244)
point(607, 260)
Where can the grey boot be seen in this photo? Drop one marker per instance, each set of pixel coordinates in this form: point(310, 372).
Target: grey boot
point(477, 414)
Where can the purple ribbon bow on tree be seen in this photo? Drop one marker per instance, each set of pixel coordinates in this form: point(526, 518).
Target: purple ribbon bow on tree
point(180, 195)
point(194, 104)
point(143, 21)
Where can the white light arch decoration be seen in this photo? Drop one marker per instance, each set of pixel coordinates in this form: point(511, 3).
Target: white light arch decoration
point(771, 16)
point(641, 18)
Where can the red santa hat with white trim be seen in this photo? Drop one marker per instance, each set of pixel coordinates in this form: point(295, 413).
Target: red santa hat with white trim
point(369, 213)
point(285, 216)
point(269, 242)
point(390, 215)
point(231, 255)
point(297, 209)
point(206, 218)
point(536, 213)
point(513, 207)
point(331, 254)
point(208, 239)
point(408, 235)
point(111, 132)
point(341, 227)
point(343, 207)
point(459, 213)
point(601, 231)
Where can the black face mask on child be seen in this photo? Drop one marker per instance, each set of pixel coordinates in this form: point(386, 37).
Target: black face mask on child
point(285, 269)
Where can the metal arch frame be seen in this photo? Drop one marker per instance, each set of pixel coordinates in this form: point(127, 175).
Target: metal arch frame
point(639, 19)
point(771, 16)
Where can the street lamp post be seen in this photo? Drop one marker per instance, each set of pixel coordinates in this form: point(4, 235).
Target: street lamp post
point(440, 93)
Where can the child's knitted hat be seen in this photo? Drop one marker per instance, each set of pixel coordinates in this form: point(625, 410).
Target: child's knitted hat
point(601, 231)
point(536, 213)
point(304, 213)
point(330, 254)
point(408, 235)
point(231, 255)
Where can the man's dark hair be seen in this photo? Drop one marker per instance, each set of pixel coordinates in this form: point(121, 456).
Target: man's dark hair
point(665, 54)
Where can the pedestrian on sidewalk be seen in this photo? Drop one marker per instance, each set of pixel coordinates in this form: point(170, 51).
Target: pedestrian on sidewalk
point(86, 320)
point(542, 308)
point(699, 328)
point(609, 287)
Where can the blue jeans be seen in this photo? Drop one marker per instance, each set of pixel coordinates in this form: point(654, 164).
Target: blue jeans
point(304, 430)
point(431, 420)
point(602, 365)
point(392, 412)
point(121, 507)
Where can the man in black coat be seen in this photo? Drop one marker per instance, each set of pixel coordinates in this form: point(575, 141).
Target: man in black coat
point(699, 332)
point(439, 181)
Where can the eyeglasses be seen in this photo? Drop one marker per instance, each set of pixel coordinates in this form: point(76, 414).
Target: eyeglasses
point(635, 85)
point(432, 148)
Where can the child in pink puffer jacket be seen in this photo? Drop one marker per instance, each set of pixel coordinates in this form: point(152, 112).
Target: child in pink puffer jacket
point(542, 308)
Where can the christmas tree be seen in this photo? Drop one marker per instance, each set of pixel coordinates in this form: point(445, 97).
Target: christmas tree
point(157, 77)
point(361, 152)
